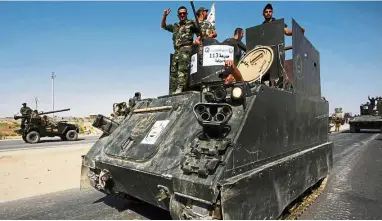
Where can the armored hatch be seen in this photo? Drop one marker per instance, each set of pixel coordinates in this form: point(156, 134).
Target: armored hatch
point(256, 63)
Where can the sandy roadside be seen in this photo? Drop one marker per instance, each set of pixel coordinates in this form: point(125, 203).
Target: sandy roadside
point(27, 173)
point(342, 128)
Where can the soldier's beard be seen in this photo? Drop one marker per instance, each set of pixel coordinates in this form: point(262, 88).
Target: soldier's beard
point(267, 17)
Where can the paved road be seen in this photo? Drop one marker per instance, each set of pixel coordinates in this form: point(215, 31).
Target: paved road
point(354, 188)
point(353, 191)
point(45, 142)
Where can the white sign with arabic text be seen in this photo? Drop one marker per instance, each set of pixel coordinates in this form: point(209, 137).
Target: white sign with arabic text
point(217, 54)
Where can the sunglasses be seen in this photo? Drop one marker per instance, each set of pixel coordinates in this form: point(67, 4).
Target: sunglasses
point(269, 11)
point(182, 13)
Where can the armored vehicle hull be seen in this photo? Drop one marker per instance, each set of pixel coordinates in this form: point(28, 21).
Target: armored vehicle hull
point(365, 122)
point(268, 158)
point(368, 119)
point(242, 150)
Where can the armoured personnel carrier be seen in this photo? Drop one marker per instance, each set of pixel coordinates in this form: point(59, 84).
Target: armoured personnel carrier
point(35, 128)
point(237, 151)
point(369, 118)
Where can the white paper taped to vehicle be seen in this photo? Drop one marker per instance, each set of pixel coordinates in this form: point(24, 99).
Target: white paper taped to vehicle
point(194, 64)
point(155, 131)
point(217, 54)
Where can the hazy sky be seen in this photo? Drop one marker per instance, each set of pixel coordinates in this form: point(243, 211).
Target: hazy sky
point(103, 52)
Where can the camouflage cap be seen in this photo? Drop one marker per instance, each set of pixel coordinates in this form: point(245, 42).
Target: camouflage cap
point(200, 10)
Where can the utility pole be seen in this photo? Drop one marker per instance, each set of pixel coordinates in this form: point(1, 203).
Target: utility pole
point(53, 76)
point(36, 100)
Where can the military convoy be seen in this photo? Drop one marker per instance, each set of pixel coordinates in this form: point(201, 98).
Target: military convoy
point(34, 128)
point(238, 151)
point(370, 118)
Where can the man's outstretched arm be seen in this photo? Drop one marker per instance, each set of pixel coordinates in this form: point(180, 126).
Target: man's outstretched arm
point(235, 72)
point(289, 32)
point(163, 23)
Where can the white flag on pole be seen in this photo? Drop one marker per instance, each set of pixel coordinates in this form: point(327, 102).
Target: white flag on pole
point(211, 15)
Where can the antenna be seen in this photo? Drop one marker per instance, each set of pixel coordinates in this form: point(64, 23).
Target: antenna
point(36, 100)
point(53, 76)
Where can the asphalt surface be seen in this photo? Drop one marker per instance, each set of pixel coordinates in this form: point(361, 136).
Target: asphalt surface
point(354, 187)
point(353, 191)
point(45, 143)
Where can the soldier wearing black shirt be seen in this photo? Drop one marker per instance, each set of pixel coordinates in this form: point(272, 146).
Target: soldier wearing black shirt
point(268, 17)
point(238, 45)
point(371, 105)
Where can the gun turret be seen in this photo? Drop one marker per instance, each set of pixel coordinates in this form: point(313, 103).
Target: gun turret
point(41, 113)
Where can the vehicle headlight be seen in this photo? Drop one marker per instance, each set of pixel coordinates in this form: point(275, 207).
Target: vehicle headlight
point(237, 92)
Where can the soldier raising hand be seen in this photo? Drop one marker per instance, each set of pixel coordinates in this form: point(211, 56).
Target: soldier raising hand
point(166, 12)
point(183, 38)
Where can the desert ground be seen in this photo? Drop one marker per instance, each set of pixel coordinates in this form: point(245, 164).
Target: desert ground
point(26, 173)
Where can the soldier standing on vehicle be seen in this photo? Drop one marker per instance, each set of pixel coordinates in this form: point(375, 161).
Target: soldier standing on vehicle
point(268, 18)
point(25, 111)
point(237, 44)
point(183, 38)
point(206, 28)
point(372, 104)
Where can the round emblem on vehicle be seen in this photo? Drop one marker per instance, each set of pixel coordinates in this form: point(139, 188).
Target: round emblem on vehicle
point(207, 49)
point(193, 58)
point(230, 50)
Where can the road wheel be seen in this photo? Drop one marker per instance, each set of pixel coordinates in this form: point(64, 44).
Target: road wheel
point(33, 137)
point(71, 135)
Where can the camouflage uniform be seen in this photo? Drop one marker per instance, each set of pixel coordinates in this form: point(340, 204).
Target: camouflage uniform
point(24, 111)
point(205, 27)
point(183, 37)
point(35, 115)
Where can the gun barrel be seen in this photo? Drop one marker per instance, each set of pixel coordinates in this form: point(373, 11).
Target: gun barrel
point(196, 17)
point(56, 111)
point(19, 117)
